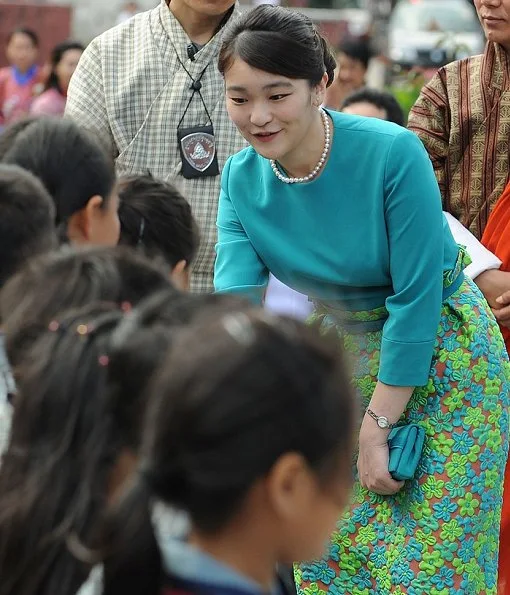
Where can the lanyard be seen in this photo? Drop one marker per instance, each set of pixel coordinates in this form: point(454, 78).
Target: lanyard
point(195, 86)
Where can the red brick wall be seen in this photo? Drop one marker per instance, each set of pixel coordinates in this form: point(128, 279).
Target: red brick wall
point(51, 23)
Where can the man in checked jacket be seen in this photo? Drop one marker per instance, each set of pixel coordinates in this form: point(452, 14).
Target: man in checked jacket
point(132, 88)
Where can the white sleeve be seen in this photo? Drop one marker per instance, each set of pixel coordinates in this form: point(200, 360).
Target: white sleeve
point(482, 259)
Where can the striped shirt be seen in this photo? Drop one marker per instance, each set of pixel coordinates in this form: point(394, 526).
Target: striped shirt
point(130, 89)
point(463, 118)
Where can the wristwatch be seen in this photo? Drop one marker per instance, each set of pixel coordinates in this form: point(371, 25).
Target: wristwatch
point(381, 420)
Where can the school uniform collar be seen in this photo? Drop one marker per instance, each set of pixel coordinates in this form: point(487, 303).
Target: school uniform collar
point(189, 564)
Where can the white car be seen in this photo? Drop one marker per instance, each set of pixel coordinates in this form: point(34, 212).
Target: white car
point(432, 33)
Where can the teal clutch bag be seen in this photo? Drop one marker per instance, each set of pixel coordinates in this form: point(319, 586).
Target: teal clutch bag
point(406, 445)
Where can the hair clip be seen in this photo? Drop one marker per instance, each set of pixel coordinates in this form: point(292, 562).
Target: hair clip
point(126, 307)
point(103, 360)
point(53, 326)
point(83, 329)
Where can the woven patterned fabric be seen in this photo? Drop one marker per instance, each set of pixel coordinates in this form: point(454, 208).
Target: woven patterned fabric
point(463, 118)
point(440, 534)
point(131, 91)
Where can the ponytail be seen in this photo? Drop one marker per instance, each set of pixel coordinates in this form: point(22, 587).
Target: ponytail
point(55, 473)
point(132, 560)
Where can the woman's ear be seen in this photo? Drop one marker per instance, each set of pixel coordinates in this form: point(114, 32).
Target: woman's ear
point(320, 91)
point(180, 275)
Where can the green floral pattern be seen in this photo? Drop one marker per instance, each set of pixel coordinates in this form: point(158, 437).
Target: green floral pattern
point(440, 534)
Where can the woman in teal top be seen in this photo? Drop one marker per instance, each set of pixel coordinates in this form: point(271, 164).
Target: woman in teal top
point(347, 210)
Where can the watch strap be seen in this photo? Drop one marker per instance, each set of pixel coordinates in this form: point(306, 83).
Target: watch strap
point(386, 424)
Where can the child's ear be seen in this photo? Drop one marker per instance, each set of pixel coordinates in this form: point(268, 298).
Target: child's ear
point(180, 275)
point(79, 227)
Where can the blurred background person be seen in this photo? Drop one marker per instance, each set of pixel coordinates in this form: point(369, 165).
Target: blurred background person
point(21, 81)
point(373, 103)
point(353, 58)
point(63, 62)
point(128, 10)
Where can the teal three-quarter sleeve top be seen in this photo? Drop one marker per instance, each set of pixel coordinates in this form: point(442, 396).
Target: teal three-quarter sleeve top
point(368, 232)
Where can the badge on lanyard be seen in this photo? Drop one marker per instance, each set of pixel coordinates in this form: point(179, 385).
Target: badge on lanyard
point(198, 152)
point(197, 144)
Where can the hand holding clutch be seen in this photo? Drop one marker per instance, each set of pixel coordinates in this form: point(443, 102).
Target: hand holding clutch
point(405, 445)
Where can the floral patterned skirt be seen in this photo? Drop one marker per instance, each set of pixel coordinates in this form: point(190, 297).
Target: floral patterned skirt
point(440, 534)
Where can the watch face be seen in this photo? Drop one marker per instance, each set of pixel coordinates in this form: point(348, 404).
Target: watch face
point(382, 422)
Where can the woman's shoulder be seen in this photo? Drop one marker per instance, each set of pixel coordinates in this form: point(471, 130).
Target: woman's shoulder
point(247, 161)
point(358, 135)
point(364, 127)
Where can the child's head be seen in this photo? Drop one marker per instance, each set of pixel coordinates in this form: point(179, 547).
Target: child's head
point(157, 219)
point(251, 428)
point(70, 279)
point(373, 103)
point(83, 391)
point(22, 48)
point(26, 219)
point(76, 172)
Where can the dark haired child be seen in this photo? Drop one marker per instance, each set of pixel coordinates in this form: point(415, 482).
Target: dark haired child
point(70, 279)
point(75, 170)
point(156, 219)
point(60, 281)
point(87, 376)
point(227, 441)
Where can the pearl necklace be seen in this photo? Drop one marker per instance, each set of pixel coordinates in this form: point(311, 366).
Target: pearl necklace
point(318, 167)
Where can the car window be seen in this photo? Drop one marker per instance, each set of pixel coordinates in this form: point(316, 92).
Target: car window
point(427, 15)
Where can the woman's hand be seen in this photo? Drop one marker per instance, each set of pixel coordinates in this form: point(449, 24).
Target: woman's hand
point(373, 460)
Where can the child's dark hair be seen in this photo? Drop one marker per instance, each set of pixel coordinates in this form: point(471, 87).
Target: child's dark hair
point(81, 403)
point(71, 164)
point(26, 219)
point(271, 38)
point(233, 395)
point(358, 50)
point(57, 53)
point(9, 134)
point(157, 219)
point(380, 99)
point(72, 279)
point(142, 339)
point(62, 448)
point(30, 33)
